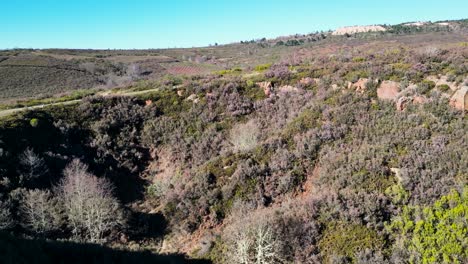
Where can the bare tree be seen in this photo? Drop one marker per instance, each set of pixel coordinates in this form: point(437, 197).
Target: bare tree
point(242, 246)
point(40, 212)
point(250, 238)
point(6, 220)
point(266, 244)
point(90, 208)
point(33, 166)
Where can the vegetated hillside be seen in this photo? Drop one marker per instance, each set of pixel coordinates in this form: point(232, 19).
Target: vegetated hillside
point(45, 73)
point(348, 151)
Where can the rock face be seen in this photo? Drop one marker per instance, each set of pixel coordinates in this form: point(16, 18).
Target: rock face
point(416, 24)
point(357, 29)
point(288, 89)
point(459, 99)
point(361, 85)
point(307, 81)
point(404, 101)
point(388, 90)
point(266, 86)
point(194, 98)
point(443, 80)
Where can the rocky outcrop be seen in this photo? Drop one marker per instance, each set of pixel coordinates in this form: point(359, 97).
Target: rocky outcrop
point(288, 89)
point(416, 24)
point(361, 85)
point(357, 29)
point(459, 100)
point(388, 90)
point(443, 80)
point(307, 81)
point(266, 86)
point(404, 101)
point(194, 98)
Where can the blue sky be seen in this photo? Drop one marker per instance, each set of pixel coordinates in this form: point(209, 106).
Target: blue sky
point(140, 24)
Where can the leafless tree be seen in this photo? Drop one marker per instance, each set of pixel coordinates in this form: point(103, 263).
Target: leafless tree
point(266, 245)
point(33, 166)
point(6, 220)
point(40, 212)
point(250, 238)
point(243, 244)
point(90, 208)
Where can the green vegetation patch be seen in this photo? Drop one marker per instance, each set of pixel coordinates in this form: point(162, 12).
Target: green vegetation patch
point(345, 239)
point(436, 233)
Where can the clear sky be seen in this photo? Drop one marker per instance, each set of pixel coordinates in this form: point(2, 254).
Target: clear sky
point(138, 24)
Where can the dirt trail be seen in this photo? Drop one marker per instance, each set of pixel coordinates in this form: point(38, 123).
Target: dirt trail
point(8, 112)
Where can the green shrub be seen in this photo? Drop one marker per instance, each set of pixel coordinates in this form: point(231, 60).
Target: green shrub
point(262, 67)
point(346, 239)
point(303, 122)
point(229, 71)
point(34, 122)
point(425, 87)
point(358, 59)
point(443, 88)
point(435, 233)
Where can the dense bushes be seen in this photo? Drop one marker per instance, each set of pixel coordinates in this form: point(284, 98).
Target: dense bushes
point(317, 174)
point(434, 233)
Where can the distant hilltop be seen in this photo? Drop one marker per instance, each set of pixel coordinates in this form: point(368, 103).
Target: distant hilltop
point(423, 23)
point(358, 29)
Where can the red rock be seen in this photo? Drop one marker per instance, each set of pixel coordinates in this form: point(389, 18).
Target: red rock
point(288, 89)
point(402, 103)
point(307, 81)
point(361, 85)
point(388, 90)
point(459, 99)
point(419, 100)
point(266, 86)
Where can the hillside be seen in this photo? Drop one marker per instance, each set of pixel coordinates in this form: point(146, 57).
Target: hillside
point(318, 148)
point(45, 73)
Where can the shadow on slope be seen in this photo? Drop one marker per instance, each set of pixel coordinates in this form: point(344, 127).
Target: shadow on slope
point(18, 250)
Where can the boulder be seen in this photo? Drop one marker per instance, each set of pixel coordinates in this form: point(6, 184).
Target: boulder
point(397, 173)
point(194, 98)
point(288, 89)
point(388, 90)
point(361, 85)
point(307, 81)
point(266, 86)
point(402, 103)
point(459, 100)
point(443, 80)
point(419, 99)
